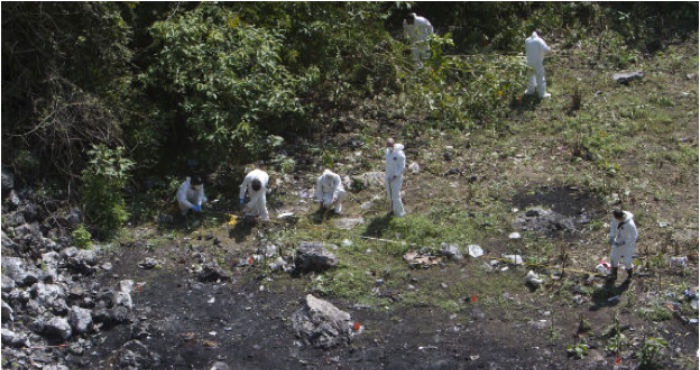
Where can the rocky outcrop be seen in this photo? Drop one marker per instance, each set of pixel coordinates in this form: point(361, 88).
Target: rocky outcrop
point(48, 295)
point(320, 324)
point(313, 257)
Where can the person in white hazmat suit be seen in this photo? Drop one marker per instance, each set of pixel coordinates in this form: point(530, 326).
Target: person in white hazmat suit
point(622, 238)
point(395, 166)
point(330, 191)
point(535, 50)
point(417, 29)
point(255, 184)
point(190, 195)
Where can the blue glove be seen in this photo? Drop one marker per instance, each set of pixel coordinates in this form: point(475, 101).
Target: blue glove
point(242, 201)
point(197, 208)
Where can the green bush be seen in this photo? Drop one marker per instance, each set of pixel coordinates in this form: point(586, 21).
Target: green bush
point(222, 79)
point(103, 182)
point(82, 237)
point(460, 90)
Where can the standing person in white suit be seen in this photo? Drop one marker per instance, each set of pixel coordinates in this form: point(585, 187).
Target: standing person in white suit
point(190, 195)
point(623, 238)
point(417, 29)
point(255, 184)
point(535, 50)
point(330, 191)
point(395, 166)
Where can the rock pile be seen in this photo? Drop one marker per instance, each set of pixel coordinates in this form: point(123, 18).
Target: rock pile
point(48, 300)
point(320, 324)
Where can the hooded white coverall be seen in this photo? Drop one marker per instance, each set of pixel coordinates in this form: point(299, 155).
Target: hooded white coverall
point(623, 237)
point(188, 197)
point(535, 50)
point(395, 165)
point(418, 33)
point(329, 190)
point(258, 200)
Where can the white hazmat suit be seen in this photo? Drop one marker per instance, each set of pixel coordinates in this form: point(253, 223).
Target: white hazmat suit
point(257, 206)
point(623, 238)
point(330, 191)
point(190, 196)
point(535, 50)
point(395, 165)
point(418, 33)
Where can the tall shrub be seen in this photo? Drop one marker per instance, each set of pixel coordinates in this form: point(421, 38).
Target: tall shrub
point(102, 190)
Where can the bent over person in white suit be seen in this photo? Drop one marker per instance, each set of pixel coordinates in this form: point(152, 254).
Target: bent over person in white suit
point(330, 191)
point(255, 184)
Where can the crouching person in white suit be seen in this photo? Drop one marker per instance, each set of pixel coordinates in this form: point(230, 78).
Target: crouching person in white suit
point(190, 195)
point(330, 191)
point(255, 184)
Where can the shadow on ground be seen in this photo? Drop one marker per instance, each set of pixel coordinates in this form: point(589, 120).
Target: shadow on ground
point(608, 295)
point(378, 226)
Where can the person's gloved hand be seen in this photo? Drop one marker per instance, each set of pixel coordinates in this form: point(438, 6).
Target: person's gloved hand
point(611, 240)
point(197, 208)
point(242, 201)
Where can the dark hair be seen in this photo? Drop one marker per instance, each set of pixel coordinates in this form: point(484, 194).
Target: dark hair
point(196, 180)
point(618, 213)
point(256, 184)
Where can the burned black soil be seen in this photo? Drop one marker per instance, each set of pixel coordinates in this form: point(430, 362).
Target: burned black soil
point(192, 324)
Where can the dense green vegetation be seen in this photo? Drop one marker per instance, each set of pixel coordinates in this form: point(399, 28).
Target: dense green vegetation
point(210, 87)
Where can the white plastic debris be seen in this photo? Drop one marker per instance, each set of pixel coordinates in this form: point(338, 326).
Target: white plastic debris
point(679, 262)
point(515, 259)
point(603, 267)
point(414, 168)
point(533, 278)
point(514, 235)
point(475, 251)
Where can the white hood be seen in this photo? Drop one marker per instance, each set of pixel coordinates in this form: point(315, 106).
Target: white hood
point(628, 216)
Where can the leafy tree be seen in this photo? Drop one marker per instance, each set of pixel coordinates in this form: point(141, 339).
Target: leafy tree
point(65, 74)
point(217, 83)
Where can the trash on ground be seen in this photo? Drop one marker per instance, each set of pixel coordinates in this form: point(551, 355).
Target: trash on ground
point(515, 259)
point(603, 267)
point(533, 278)
point(426, 347)
point(475, 251)
point(679, 262)
point(416, 259)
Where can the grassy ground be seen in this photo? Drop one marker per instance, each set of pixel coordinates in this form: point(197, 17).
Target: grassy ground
point(594, 145)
